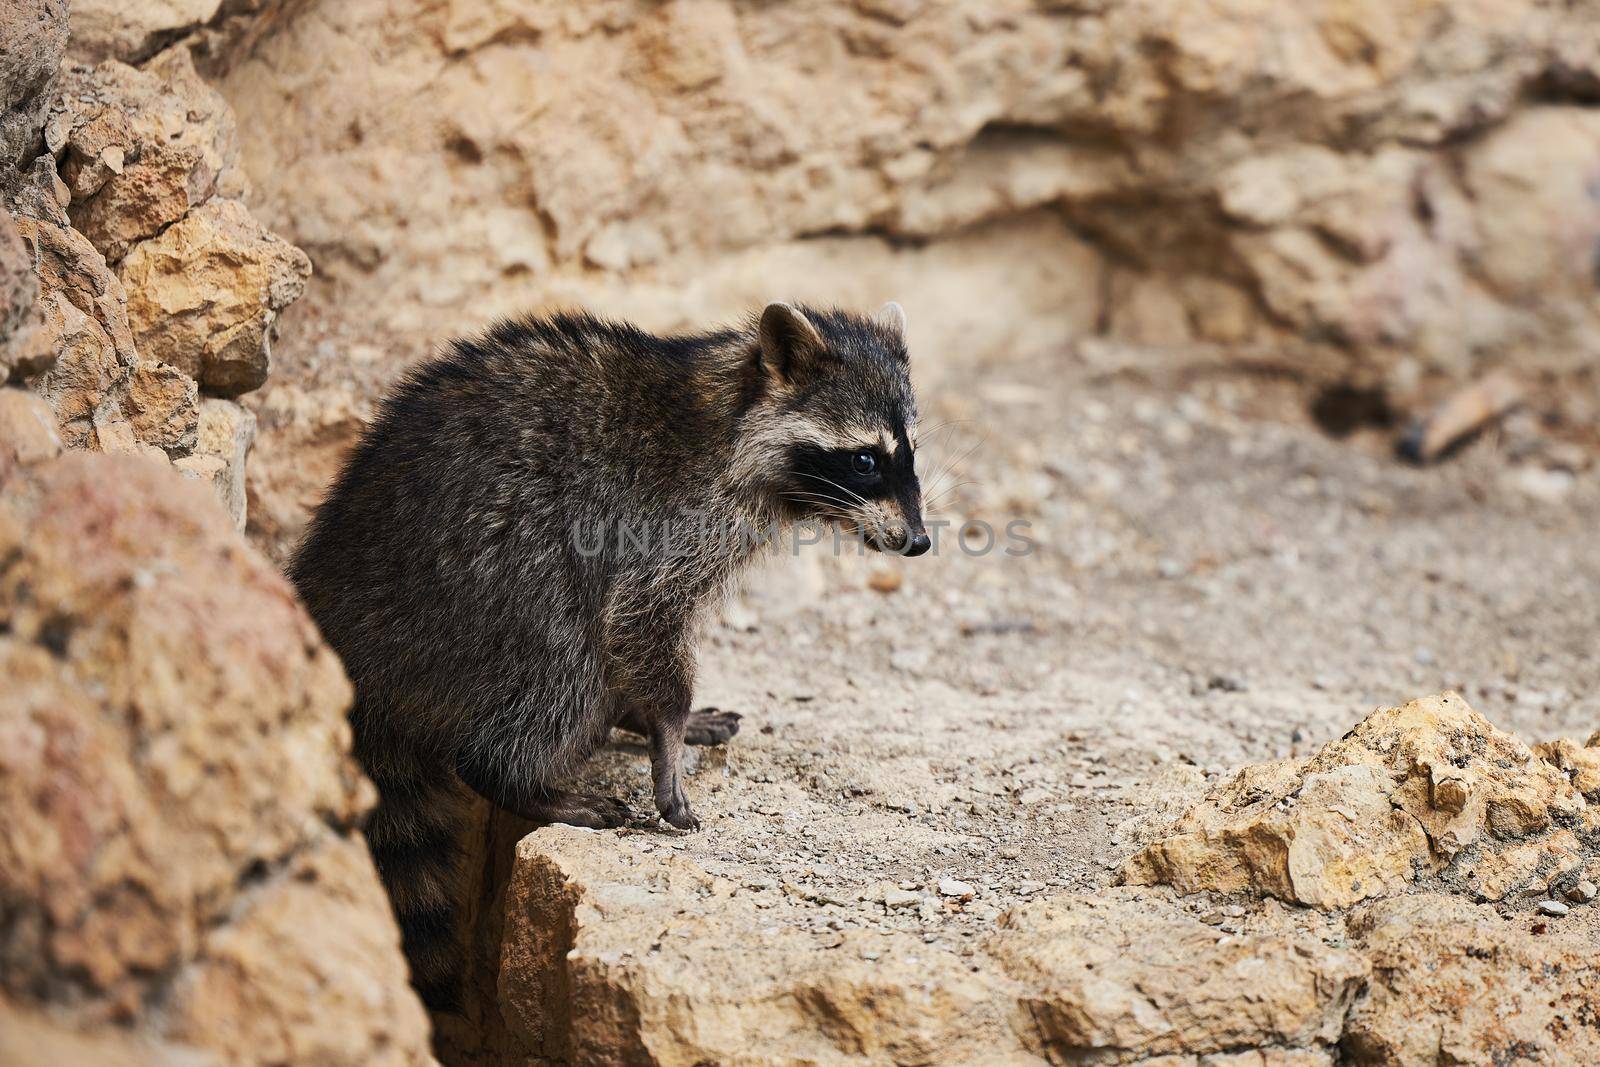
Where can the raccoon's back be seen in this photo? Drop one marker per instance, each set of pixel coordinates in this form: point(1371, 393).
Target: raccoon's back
point(447, 522)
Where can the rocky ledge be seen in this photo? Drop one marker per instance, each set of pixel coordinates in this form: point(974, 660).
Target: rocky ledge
point(1335, 909)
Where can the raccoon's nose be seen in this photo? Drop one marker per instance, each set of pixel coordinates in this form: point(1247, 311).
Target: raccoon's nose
point(919, 544)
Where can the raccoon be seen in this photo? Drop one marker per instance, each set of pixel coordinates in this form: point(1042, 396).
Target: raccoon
point(494, 639)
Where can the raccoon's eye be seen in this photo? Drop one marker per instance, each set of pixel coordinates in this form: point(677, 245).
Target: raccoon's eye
point(864, 463)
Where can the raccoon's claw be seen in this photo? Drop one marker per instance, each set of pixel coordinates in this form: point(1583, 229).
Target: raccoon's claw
point(682, 817)
point(711, 726)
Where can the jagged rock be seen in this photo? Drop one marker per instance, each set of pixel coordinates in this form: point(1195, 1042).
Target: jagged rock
point(203, 295)
point(226, 432)
point(103, 397)
point(22, 349)
point(133, 30)
point(625, 949)
point(1122, 981)
point(27, 431)
point(1454, 982)
point(605, 961)
point(1408, 192)
point(33, 36)
point(1581, 763)
point(139, 148)
point(1424, 789)
point(182, 809)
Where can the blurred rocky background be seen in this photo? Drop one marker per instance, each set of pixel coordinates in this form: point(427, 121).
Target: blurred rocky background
point(1279, 322)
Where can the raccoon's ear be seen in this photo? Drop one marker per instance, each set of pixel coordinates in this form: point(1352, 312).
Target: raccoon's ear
point(791, 347)
point(892, 317)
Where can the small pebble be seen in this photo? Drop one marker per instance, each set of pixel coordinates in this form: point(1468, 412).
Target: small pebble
point(1582, 893)
point(951, 887)
point(900, 898)
point(884, 580)
point(1553, 907)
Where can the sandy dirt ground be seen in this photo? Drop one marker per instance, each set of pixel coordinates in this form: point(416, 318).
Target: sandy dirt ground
point(1216, 583)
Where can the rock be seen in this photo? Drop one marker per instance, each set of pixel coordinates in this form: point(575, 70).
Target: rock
point(1581, 763)
point(181, 855)
point(96, 384)
point(140, 148)
point(226, 432)
point(895, 897)
point(133, 30)
point(603, 960)
point(1454, 982)
point(27, 431)
point(33, 36)
point(614, 952)
point(1583, 893)
point(37, 1040)
point(22, 351)
point(162, 407)
point(1553, 907)
point(954, 887)
point(204, 293)
point(1119, 981)
point(1430, 788)
point(885, 580)
point(1397, 150)
point(315, 426)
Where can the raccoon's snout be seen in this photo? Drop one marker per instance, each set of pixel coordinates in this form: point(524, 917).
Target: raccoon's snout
point(903, 540)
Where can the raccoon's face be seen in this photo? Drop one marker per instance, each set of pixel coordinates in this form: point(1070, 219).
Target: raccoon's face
point(836, 439)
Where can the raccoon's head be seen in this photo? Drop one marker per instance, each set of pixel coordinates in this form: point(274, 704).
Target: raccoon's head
point(831, 433)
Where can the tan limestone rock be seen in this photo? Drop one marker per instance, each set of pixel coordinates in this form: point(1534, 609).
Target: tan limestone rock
point(134, 30)
point(1454, 982)
point(1407, 192)
point(1145, 980)
point(1413, 791)
point(33, 36)
point(140, 147)
point(203, 295)
point(23, 352)
point(182, 807)
point(100, 391)
point(27, 431)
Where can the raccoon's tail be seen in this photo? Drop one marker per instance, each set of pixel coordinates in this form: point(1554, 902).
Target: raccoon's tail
point(414, 835)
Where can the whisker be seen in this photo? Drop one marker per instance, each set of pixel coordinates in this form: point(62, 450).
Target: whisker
point(946, 469)
point(843, 489)
point(943, 493)
point(832, 502)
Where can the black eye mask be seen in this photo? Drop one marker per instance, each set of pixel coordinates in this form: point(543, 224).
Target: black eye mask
point(833, 472)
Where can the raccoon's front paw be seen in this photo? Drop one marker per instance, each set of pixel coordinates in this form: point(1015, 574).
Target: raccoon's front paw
point(711, 726)
point(680, 815)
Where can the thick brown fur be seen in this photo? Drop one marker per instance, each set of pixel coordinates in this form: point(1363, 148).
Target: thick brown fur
point(490, 646)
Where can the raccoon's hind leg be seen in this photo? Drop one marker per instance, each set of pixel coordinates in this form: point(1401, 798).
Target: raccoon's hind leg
point(539, 803)
point(546, 806)
point(707, 726)
point(413, 838)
